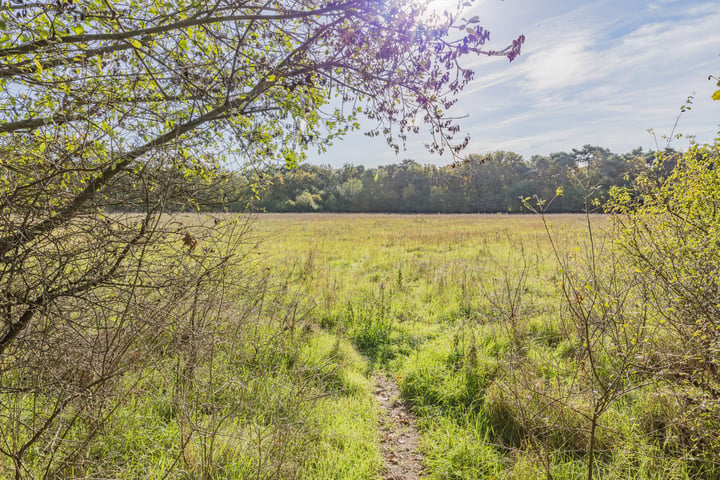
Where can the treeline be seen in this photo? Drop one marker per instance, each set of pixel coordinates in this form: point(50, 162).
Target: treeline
point(494, 182)
point(490, 183)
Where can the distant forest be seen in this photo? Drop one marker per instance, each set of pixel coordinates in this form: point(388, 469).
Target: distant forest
point(489, 183)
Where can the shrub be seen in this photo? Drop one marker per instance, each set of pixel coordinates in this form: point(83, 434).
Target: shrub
point(669, 231)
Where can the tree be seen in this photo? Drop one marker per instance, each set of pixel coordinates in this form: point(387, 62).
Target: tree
point(491, 179)
point(93, 93)
point(98, 96)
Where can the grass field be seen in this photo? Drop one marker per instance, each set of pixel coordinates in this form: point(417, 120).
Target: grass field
point(470, 314)
point(519, 342)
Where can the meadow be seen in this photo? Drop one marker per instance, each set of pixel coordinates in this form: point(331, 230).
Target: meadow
point(502, 332)
point(526, 346)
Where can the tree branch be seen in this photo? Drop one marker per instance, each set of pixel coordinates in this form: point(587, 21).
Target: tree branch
point(190, 22)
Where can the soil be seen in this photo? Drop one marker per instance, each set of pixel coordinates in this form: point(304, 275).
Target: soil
point(400, 439)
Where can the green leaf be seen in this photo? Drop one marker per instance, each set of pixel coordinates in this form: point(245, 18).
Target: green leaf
point(716, 95)
point(135, 43)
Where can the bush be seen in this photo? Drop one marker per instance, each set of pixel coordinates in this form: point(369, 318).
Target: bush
point(669, 231)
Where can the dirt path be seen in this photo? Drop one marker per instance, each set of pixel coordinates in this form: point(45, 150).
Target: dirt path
point(400, 439)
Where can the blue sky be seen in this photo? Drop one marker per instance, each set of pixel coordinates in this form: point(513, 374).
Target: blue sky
point(591, 72)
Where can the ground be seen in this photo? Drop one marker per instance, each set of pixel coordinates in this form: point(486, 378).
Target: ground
point(400, 439)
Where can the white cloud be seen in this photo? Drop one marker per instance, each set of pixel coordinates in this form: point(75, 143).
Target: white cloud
point(591, 86)
point(560, 66)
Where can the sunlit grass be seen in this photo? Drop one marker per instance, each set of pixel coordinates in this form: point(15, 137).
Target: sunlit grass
point(447, 304)
point(465, 312)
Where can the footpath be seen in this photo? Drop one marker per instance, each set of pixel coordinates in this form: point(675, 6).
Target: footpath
point(400, 439)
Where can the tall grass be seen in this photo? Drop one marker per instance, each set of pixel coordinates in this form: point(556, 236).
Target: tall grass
point(476, 317)
point(471, 314)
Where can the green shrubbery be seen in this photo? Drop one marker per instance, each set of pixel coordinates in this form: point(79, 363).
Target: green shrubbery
point(669, 232)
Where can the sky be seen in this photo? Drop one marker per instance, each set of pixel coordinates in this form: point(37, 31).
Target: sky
point(591, 72)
